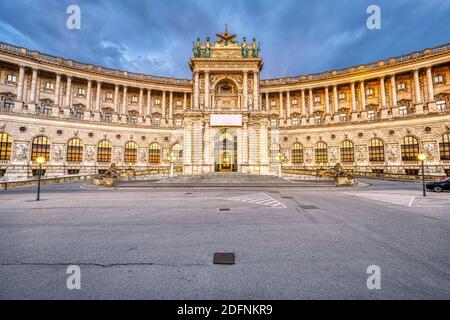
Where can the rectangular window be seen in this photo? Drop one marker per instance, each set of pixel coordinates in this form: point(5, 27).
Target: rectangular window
point(439, 79)
point(295, 122)
point(273, 123)
point(317, 99)
point(369, 92)
point(403, 111)
point(341, 96)
point(157, 102)
point(401, 86)
point(156, 122)
point(294, 102)
point(73, 172)
point(273, 103)
point(11, 78)
point(178, 103)
point(49, 85)
point(441, 105)
point(343, 118)
point(81, 92)
point(109, 96)
point(178, 122)
point(317, 120)
point(371, 115)
point(134, 99)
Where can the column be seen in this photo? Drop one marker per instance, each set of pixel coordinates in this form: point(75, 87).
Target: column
point(255, 91)
point(171, 107)
point(34, 85)
point(383, 93)
point(98, 96)
point(68, 92)
point(149, 102)
point(282, 113)
point(116, 98)
point(89, 95)
point(207, 90)
point(354, 107)
point(327, 101)
point(57, 89)
point(267, 108)
point(196, 91)
point(311, 102)
point(417, 86)
point(245, 105)
point(430, 84)
point(394, 91)
point(125, 102)
point(21, 83)
point(363, 96)
point(141, 102)
point(163, 106)
point(288, 97)
point(185, 101)
point(335, 99)
point(304, 111)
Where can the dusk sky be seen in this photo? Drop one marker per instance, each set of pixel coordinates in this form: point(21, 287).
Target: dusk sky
point(155, 36)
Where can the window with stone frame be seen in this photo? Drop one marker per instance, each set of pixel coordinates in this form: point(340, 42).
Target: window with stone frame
point(376, 150)
point(439, 79)
point(5, 146)
point(81, 92)
point(369, 92)
point(11, 78)
point(321, 153)
point(444, 147)
point(347, 151)
point(295, 122)
point(75, 150)
point(49, 86)
point(401, 87)
point(154, 154)
point(371, 115)
point(40, 147)
point(130, 155)
point(410, 149)
point(403, 111)
point(104, 151)
point(297, 153)
point(274, 152)
point(341, 96)
point(441, 105)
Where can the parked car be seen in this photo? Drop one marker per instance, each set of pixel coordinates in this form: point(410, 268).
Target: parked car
point(439, 186)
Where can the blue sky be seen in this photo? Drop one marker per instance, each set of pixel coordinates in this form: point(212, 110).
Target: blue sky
point(155, 36)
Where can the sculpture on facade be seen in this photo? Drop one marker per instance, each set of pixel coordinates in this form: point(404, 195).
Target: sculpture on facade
point(90, 153)
point(58, 153)
point(208, 49)
point(21, 152)
point(197, 49)
point(256, 48)
point(244, 48)
point(226, 38)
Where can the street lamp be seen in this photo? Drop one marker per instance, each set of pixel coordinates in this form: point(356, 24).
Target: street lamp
point(281, 158)
point(422, 157)
point(172, 159)
point(40, 161)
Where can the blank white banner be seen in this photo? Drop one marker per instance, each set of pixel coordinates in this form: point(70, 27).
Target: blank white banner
point(226, 120)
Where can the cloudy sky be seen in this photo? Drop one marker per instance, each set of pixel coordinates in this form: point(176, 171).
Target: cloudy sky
point(155, 36)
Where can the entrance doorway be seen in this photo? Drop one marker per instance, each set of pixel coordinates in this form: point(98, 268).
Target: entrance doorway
point(225, 151)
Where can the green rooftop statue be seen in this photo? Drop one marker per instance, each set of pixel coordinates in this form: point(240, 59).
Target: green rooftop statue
point(256, 48)
point(244, 48)
point(197, 49)
point(208, 48)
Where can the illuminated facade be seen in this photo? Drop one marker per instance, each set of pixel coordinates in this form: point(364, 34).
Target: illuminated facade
point(82, 118)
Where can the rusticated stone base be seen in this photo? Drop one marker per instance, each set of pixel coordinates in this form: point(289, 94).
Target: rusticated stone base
point(108, 182)
point(344, 181)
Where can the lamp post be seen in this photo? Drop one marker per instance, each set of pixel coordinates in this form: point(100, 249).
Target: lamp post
point(422, 157)
point(172, 159)
point(281, 158)
point(40, 161)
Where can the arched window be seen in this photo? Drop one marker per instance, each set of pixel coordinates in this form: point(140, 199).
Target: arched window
point(410, 149)
point(274, 152)
point(347, 151)
point(104, 151)
point(5, 146)
point(444, 147)
point(40, 148)
point(376, 150)
point(297, 153)
point(75, 150)
point(154, 154)
point(131, 152)
point(177, 150)
point(321, 152)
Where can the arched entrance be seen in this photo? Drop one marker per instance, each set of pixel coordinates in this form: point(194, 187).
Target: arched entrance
point(225, 151)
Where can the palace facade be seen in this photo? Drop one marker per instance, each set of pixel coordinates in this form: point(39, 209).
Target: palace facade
point(375, 117)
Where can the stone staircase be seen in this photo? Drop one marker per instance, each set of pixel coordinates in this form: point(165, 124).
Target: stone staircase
point(225, 178)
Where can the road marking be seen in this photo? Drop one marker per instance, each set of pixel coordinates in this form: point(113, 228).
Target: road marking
point(260, 198)
point(412, 201)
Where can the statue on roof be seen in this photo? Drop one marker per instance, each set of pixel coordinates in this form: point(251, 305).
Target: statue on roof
point(226, 38)
point(244, 48)
point(208, 48)
point(197, 49)
point(256, 48)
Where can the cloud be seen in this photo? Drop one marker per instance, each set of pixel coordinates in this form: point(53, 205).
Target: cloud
point(155, 36)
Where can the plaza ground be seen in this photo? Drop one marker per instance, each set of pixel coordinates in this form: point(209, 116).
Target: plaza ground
point(290, 243)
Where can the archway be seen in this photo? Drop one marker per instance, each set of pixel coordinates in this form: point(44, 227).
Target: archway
point(225, 151)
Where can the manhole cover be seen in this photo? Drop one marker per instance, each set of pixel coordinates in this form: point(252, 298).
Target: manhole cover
point(224, 258)
point(224, 209)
